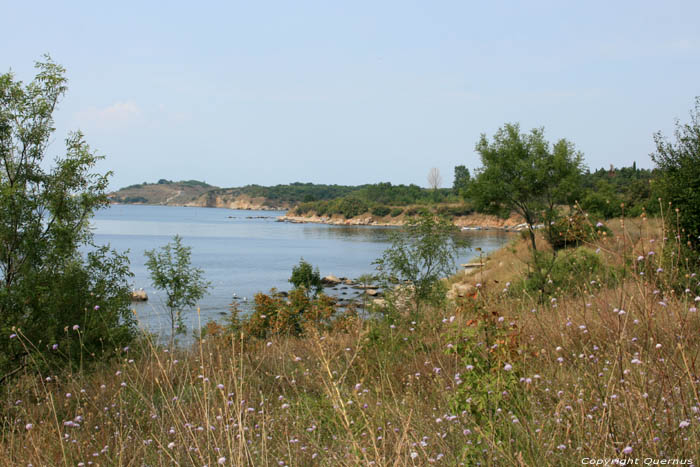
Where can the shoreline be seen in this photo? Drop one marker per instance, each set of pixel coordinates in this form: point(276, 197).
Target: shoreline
point(471, 222)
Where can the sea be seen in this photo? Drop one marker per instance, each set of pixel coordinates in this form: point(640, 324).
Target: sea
point(244, 252)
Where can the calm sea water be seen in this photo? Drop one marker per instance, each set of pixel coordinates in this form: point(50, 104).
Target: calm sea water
point(243, 252)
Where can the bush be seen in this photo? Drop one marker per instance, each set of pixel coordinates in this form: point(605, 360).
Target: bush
point(306, 278)
point(574, 272)
point(574, 230)
point(380, 211)
point(276, 315)
point(455, 211)
point(396, 212)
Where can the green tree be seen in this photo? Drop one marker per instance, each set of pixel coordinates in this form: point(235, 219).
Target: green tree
point(521, 173)
point(424, 251)
point(461, 181)
point(172, 272)
point(679, 183)
point(305, 277)
point(72, 305)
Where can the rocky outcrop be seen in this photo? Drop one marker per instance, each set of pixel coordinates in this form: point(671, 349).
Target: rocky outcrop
point(330, 281)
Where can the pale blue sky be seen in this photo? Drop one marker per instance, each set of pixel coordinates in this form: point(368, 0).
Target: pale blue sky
point(355, 92)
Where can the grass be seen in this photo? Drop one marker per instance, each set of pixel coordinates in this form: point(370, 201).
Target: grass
point(496, 378)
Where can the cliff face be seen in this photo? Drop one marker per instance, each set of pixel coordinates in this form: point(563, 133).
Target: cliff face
point(229, 201)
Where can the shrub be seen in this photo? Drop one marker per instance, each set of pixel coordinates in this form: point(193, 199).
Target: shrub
point(306, 278)
point(380, 211)
point(396, 212)
point(574, 230)
point(574, 272)
point(276, 315)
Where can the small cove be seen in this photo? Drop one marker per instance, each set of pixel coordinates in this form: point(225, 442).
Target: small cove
point(244, 252)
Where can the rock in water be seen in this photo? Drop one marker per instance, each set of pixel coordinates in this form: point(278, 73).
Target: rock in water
point(139, 296)
point(330, 280)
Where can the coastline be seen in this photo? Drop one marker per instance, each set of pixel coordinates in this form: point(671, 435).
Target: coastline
point(513, 223)
point(474, 221)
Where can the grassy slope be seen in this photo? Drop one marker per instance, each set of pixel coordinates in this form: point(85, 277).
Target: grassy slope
point(495, 378)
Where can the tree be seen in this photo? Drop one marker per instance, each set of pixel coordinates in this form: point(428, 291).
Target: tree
point(421, 253)
point(172, 271)
point(521, 173)
point(679, 183)
point(71, 305)
point(305, 277)
point(461, 181)
point(434, 178)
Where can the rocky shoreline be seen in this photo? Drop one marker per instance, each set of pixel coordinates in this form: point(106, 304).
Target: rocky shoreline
point(472, 222)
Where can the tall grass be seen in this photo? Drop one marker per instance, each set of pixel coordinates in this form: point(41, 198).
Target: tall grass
point(608, 370)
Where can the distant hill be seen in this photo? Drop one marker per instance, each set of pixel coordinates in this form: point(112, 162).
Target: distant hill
point(196, 193)
point(165, 192)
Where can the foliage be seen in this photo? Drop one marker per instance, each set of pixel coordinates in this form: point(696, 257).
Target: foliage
point(573, 230)
point(395, 212)
point(679, 184)
point(50, 288)
point(306, 278)
point(172, 272)
point(381, 211)
point(520, 172)
point(620, 191)
point(461, 180)
point(576, 272)
point(274, 314)
point(379, 197)
point(421, 253)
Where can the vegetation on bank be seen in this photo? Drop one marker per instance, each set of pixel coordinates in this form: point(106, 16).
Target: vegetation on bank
point(580, 339)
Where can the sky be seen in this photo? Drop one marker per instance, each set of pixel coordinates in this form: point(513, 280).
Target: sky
point(236, 93)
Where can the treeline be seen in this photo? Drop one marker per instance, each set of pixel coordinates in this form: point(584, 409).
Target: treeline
point(381, 199)
point(613, 192)
point(604, 193)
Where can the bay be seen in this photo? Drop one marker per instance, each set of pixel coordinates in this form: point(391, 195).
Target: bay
point(244, 252)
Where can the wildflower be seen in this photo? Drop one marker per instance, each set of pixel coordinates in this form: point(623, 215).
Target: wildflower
point(414, 455)
point(684, 424)
point(54, 347)
point(636, 361)
point(171, 445)
point(269, 344)
point(220, 386)
point(221, 460)
point(640, 258)
point(12, 336)
point(28, 426)
point(508, 367)
point(76, 327)
point(97, 307)
point(561, 447)
point(69, 395)
point(627, 450)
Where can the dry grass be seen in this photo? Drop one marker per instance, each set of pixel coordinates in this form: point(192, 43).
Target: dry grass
point(608, 372)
